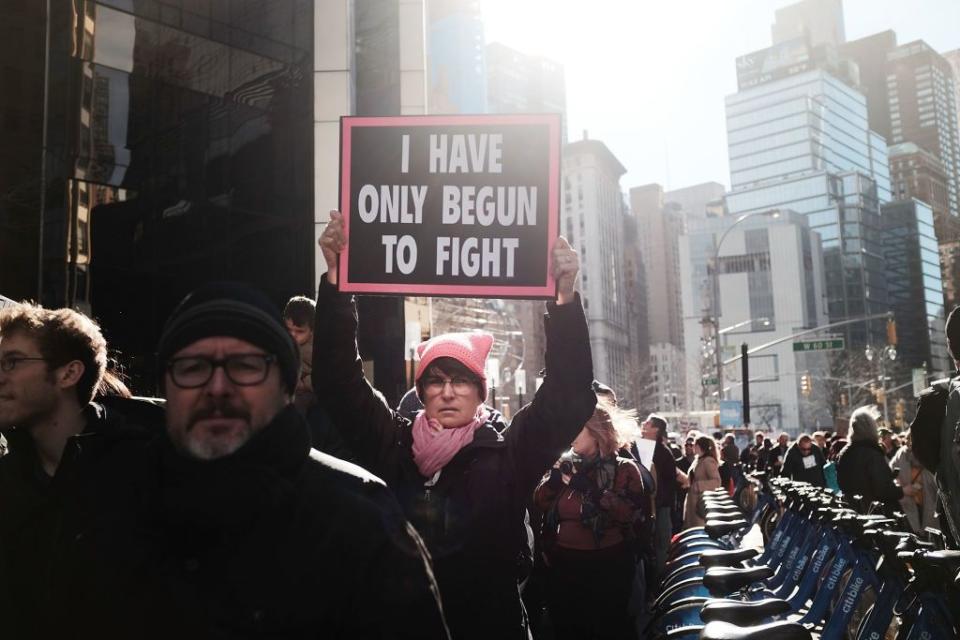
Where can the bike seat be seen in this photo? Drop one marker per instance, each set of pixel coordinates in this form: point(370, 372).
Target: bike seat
point(722, 581)
point(948, 560)
point(725, 558)
point(774, 631)
point(724, 516)
point(718, 528)
point(743, 613)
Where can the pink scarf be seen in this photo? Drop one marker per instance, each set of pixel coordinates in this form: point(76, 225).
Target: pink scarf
point(434, 446)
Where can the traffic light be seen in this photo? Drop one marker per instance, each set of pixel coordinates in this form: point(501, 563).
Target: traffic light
point(892, 332)
point(806, 384)
point(844, 399)
point(900, 411)
point(881, 394)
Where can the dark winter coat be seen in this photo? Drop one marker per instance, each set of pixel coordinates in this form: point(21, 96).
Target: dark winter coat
point(48, 525)
point(862, 469)
point(794, 467)
point(472, 519)
point(275, 540)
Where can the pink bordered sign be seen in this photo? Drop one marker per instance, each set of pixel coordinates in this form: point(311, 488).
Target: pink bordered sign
point(461, 206)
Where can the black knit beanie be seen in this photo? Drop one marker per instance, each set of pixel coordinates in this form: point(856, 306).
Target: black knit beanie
point(235, 310)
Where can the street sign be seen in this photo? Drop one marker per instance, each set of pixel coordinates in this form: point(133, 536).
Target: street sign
point(829, 344)
point(709, 382)
point(731, 413)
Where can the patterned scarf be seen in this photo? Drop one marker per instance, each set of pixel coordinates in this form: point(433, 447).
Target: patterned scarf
point(434, 446)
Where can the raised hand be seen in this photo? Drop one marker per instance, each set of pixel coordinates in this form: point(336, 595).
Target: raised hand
point(332, 241)
point(565, 265)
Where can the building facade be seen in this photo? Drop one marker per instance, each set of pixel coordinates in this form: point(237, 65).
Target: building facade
point(802, 142)
point(659, 227)
point(456, 58)
point(592, 220)
point(917, 101)
point(176, 145)
point(915, 287)
point(520, 83)
point(770, 285)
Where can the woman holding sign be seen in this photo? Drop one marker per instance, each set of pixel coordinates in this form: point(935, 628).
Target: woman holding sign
point(462, 476)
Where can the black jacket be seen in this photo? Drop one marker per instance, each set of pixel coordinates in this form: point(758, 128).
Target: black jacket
point(472, 519)
point(276, 540)
point(795, 468)
point(862, 469)
point(48, 525)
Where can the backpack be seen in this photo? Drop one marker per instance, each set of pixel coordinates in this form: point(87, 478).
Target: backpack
point(925, 428)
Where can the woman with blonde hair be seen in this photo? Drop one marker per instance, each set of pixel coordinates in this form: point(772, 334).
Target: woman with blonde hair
point(590, 501)
point(704, 476)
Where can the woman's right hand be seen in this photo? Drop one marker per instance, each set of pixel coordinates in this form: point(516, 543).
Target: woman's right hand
point(332, 241)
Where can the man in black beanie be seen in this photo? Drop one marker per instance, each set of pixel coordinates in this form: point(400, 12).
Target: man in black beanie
point(249, 532)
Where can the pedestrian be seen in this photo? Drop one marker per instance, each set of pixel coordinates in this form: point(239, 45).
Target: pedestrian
point(298, 318)
point(862, 467)
point(920, 508)
point(463, 479)
point(830, 468)
point(804, 462)
point(665, 469)
point(890, 442)
point(948, 462)
point(247, 531)
point(750, 453)
point(820, 439)
point(65, 469)
point(778, 453)
point(592, 499)
point(704, 476)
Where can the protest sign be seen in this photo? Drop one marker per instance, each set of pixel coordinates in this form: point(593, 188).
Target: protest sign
point(464, 206)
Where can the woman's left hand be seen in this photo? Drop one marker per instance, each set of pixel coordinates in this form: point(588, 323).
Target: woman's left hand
point(566, 266)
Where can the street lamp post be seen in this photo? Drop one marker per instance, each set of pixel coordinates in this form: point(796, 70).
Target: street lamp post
point(715, 301)
point(882, 355)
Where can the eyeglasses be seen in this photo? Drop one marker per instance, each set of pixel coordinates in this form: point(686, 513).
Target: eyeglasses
point(243, 369)
point(9, 363)
point(460, 385)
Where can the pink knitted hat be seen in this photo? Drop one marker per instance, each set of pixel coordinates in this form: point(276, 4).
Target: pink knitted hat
point(469, 349)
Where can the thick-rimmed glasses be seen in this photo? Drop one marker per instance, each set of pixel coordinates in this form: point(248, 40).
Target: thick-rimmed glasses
point(10, 363)
point(460, 384)
point(243, 369)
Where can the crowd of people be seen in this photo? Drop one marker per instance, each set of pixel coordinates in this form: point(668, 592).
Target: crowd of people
point(273, 491)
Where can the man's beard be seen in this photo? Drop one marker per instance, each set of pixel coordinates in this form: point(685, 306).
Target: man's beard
point(214, 446)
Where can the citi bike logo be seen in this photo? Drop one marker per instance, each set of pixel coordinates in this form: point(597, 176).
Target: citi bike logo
point(799, 570)
point(852, 594)
point(820, 558)
point(835, 573)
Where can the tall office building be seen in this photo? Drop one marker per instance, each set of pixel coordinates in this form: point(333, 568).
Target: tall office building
point(659, 226)
point(801, 142)
point(520, 83)
point(770, 284)
point(172, 145)
point(698, 201)
point(911, 97)
point(819, 22)
point(456, 67)
point(592, 220)
point(915, 287)
point(953, 57)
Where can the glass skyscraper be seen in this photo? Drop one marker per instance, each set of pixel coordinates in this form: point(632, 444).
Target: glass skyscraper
point(915, 286)
point(798, 139)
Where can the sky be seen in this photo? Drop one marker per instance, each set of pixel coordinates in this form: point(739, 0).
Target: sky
point(648, 78)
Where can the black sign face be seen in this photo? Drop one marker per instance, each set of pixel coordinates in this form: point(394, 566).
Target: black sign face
point(464, 206)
